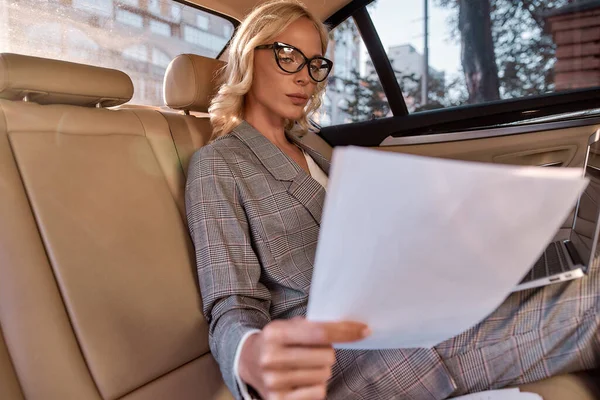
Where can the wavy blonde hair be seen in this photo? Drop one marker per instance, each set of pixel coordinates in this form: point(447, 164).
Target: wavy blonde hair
point(261, 26)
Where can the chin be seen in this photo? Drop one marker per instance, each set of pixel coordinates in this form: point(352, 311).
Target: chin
point(293, 115)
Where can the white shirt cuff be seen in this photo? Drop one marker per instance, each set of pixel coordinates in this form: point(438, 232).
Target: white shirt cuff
point(236, 363)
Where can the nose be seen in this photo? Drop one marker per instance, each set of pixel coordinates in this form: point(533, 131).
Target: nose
point(302, 76)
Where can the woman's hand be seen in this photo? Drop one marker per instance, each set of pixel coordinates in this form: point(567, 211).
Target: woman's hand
point(292, 359)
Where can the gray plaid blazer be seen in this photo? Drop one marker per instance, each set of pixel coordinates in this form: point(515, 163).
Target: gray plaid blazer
point(254, 217)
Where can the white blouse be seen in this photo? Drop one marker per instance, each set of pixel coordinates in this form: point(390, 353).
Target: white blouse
point(315, 171)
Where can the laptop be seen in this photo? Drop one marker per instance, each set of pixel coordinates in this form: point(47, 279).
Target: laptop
point(571, 256)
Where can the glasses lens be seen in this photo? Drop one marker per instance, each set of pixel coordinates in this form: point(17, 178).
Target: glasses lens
point(290, 59)
point(319, 69)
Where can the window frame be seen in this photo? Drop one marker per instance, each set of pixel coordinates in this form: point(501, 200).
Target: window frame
point(446, 120)
point(126, 17)
point(357, 9)
point(155, 26)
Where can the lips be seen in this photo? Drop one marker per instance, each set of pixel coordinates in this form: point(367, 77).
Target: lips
point(298, 98)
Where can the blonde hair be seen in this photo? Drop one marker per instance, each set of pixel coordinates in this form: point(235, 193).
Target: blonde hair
point(261, 26)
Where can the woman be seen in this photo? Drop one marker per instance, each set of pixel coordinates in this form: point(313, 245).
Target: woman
point(254, 198)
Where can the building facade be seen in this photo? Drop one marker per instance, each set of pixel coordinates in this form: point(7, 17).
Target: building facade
point(407, 62)
point(576, 33)
point(344, 51)
point(139, 37)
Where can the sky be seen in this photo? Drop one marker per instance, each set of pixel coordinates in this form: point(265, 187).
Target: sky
point(401, 22)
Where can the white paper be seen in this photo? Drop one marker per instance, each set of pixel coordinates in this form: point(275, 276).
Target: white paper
point(502, 394)
point(422, 249)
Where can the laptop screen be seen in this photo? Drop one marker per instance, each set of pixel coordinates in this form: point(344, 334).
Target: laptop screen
point(586, 224)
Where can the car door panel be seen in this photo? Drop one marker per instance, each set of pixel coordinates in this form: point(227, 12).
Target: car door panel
point(560, 147)
point(565, 147)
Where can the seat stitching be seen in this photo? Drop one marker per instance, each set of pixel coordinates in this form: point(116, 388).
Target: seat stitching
point(164, 174)
point(175, 144)
point(166, 373)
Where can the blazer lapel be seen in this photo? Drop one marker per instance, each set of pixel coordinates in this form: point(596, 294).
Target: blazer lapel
point(310, 193)
point(274, 160)
point(303, 187)
point(315, 146)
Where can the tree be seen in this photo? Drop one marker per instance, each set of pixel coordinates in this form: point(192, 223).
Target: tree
point(525, 51)
point(338, 35)
point(523, 48)
point(362, 96)
point(477, 50)
point(441, 94)
point(365, 98)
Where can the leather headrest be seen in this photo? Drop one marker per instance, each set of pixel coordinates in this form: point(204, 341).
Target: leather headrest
point(46, 81)
point(190, 82)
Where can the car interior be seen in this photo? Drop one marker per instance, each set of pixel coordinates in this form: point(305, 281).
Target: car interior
point(98, 291)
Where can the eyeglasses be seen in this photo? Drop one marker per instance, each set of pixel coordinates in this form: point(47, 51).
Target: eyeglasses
point(292, 60)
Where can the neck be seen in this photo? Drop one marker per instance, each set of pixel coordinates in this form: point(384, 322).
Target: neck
point(264, 121)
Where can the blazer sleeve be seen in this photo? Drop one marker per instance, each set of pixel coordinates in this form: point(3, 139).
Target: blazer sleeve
point(234, 300)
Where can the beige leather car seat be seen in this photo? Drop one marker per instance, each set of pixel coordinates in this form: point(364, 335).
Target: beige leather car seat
point(98, 294)
point(97, 287)
point(189, 84)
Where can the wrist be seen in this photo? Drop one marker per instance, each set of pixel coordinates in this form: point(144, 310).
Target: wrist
point(249, 353)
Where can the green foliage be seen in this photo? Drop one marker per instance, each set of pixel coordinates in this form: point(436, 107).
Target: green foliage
point(365, 98)
point(524, 50)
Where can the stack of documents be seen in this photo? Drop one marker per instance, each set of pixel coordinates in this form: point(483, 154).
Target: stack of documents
point(421, 249)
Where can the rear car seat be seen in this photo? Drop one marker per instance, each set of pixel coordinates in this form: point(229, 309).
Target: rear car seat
point(98, 295)
point(9, 384)
point(189, 85)
point(97, 289)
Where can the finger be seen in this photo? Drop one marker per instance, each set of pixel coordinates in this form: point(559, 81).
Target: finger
point(308, 333)
point(287, 379)
point(341, 332)
point(317, 392)
point(277, 357)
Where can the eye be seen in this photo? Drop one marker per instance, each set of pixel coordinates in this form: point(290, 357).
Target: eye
point(318, 67)
point(290, 55)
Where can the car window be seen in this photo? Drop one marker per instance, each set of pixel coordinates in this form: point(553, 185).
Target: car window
point(139, 37)
point(487, 50)
point(351, 94)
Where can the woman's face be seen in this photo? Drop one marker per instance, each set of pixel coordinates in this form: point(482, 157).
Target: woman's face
point(281, 94)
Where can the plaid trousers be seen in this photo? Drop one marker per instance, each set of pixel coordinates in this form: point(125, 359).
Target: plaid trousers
point(254, 218)
point(534, 334)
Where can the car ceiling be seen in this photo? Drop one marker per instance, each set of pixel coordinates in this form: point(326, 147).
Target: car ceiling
point(239, 8)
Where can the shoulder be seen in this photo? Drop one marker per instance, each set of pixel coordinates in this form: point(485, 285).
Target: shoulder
point(219, 157)
point(210, 174)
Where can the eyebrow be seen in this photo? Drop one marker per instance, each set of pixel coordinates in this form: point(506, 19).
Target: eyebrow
point(319, 54)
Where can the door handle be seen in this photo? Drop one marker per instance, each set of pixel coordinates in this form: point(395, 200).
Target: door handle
point(552, 164)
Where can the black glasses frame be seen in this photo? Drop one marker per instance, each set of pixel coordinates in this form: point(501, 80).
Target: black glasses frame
point(278, 45)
